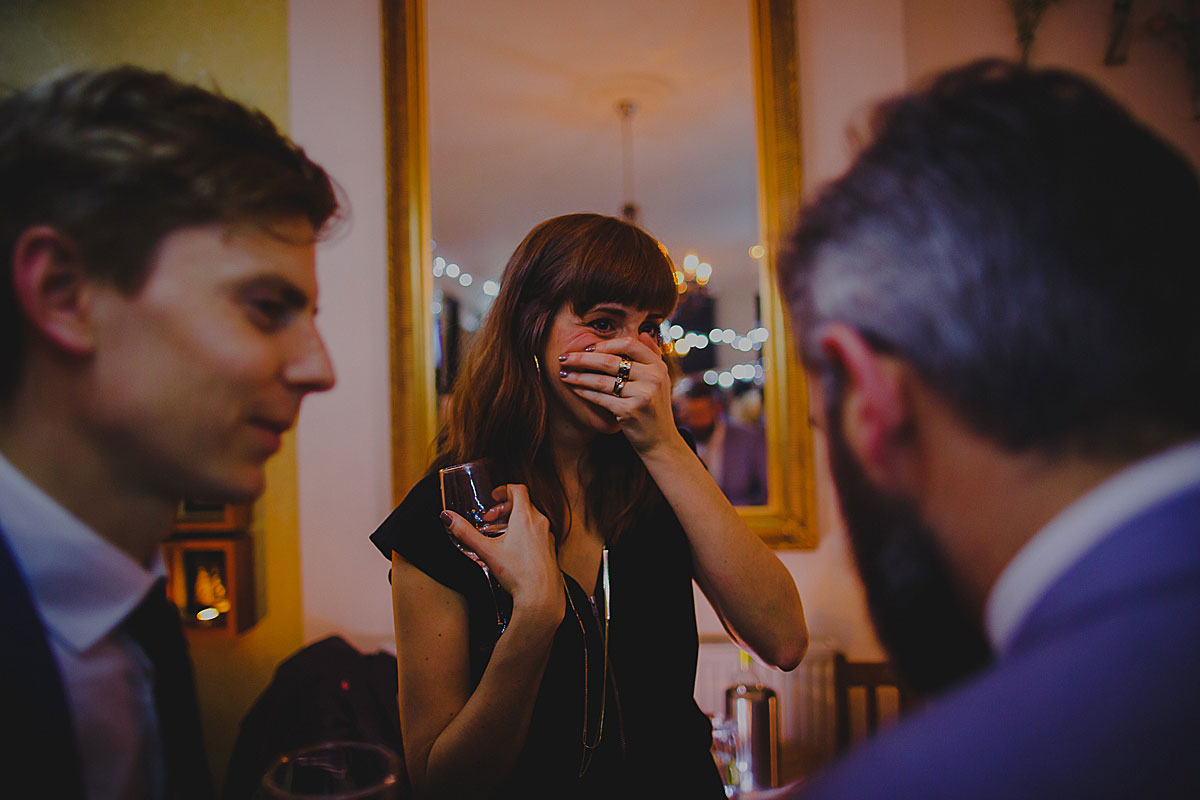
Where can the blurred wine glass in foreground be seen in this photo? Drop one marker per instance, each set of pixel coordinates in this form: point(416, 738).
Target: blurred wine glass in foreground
point(335, 771)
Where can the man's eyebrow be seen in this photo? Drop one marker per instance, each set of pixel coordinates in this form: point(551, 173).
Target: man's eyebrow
point(290, 293)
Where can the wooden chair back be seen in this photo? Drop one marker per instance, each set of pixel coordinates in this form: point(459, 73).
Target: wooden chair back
point(871, 676)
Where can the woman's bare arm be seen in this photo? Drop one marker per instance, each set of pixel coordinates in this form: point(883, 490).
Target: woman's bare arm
point(461, 743)
point(749, 587)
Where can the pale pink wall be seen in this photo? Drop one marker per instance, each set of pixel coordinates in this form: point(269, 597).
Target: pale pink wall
point(344, 444)
point(1073, 34)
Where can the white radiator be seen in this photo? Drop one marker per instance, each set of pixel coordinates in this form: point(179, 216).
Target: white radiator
point(805, 695)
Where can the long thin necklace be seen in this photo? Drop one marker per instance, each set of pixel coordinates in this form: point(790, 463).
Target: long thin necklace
point(589, 748)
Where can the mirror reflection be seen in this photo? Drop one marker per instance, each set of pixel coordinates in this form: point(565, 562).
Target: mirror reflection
point(540, 108)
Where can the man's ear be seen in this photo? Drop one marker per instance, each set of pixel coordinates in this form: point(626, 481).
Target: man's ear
point(52, 289)
point(875, 412)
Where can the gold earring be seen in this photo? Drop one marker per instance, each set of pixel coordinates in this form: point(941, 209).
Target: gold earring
point(537, 365)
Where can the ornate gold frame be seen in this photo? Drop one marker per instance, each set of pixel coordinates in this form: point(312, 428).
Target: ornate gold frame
point(410, 291)
point(788, 520)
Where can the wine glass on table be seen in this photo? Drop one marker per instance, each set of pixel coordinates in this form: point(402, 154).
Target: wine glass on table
point(471, 491)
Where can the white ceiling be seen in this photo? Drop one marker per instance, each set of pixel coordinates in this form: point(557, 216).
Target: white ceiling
point(523, 127)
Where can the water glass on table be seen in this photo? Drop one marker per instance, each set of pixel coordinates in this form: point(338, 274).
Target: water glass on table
point(335, 771)
point(472, 491)
point(725, 752)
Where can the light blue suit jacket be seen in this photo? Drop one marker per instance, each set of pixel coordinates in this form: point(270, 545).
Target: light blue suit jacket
point(1098, 695)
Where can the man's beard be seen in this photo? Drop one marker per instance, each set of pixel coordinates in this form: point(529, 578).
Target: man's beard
point(918, 615)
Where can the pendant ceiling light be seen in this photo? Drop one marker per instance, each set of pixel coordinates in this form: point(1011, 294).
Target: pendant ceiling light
point(626, 109)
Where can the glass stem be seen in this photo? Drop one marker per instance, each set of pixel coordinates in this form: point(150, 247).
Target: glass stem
point(501, 622)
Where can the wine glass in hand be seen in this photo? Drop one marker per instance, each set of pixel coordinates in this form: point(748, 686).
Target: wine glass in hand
point(470, 491)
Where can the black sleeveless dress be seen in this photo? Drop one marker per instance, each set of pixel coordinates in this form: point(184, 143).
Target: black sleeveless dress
point(656, 740)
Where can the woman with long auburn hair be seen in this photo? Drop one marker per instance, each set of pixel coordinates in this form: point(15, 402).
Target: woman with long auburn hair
point(588, 690)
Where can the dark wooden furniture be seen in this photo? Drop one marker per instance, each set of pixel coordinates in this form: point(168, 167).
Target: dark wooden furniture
point(871, 677)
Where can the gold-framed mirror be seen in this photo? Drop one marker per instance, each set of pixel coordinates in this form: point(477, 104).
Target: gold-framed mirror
point(787, 519)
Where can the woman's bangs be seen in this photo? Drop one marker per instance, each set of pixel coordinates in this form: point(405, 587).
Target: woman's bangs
point(634, 272)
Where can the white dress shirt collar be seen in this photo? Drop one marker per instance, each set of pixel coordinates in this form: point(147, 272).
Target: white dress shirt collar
point(83, 585)
point(1078, 528)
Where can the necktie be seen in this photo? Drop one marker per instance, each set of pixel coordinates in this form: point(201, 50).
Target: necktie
point(154, 624)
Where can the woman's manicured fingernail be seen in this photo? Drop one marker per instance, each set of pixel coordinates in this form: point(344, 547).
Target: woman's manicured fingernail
point(562, 358)
point(589, 348)
point(446, 518)
point(562, 373)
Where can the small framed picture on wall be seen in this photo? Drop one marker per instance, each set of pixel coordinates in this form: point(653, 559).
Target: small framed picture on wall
point(211, 580)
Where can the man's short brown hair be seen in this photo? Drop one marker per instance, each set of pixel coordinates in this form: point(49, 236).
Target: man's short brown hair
point(117, 159)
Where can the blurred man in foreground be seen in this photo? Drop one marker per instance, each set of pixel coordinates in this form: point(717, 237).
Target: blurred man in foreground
point(157, 338)
point(996, 305)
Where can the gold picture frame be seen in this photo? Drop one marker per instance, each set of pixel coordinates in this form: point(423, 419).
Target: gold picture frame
point(195, 518)
point(211, 581)
point(788, 519)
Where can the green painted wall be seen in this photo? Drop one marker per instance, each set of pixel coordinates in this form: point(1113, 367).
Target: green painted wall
point(239, 46)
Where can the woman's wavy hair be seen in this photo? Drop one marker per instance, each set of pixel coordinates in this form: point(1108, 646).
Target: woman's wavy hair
point(499, 404)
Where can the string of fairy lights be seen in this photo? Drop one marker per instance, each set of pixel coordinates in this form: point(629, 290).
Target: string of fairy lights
point(675, 339)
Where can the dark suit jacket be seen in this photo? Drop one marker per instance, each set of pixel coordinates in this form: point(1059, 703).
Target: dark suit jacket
point(39, 756)
point(744, 465)
point(1098, 695)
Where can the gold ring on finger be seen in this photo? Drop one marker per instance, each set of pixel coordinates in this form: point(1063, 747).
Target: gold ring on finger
point(623, 370)
point(618, 386)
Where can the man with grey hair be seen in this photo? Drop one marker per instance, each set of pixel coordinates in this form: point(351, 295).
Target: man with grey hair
point(996, 308)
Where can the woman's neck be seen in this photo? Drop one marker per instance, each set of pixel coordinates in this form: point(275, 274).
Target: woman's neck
point(572, 473)
point(567, 441)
